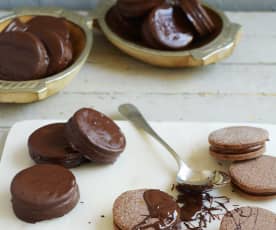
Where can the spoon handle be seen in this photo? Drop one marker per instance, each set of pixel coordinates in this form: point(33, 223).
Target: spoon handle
point(130, 112)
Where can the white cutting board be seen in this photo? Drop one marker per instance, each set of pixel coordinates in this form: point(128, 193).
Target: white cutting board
point(144, 164)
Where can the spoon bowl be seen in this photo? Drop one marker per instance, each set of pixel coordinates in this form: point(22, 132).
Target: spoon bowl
point(191, 178)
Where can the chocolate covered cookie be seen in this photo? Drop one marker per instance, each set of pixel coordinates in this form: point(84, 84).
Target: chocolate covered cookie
point(256, 177)
point(43, 192)
point(167, 27)
point(238, 143)
point(95, 135)
point(49, 145)
point(247, 218)
point(145, 209)
point(22, 57)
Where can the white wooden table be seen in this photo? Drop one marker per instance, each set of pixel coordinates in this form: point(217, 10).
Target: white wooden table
point(241, 88)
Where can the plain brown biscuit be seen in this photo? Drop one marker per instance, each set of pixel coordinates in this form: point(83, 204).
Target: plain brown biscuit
point(249, 218)
point(237, 156)
point(238, 137)
point(256, 176)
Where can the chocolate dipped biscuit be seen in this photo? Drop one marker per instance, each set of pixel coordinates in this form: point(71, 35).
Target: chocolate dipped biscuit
point(198, 17)
point(167, 27)
point(22, 57)
point(15, 25)
point(55, 39)
point(43, 192)
point(137, 8)
point(95, 135)
point(48, 144)
point(127, 28)
point(57, 25)
point(256, 177)
point(247, 218)
point(145, 209)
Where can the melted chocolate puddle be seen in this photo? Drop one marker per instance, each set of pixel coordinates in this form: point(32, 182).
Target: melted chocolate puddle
point(199, 208)
point(162, 209)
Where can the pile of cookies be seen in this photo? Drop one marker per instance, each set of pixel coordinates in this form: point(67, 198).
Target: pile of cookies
point(49, 190)
point(36, 49)
point(163, 25)
point(251, 171)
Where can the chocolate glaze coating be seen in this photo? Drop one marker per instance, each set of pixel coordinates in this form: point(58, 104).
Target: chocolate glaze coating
point(137, 8)
point(15, 25)
point(168, 27)
point(16, 45)
point(43, 192)
point(95, 135)
point(49, 145)
point(57, 25)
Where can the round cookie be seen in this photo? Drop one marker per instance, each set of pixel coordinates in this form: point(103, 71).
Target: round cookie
point(43, 192)
point(247, 218)
point(57, 25)
point(95, 135)
point(232, 156)
point(198, 17)
point(238, 137)
point(137, 8)
point(49, 145)
point(22, 57)
point(145, 209)
point(168, 27)
point(256, 177)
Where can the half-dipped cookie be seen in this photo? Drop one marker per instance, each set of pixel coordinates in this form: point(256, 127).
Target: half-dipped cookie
point(256, 177)
point(145, 209)
point(167, 27)
point(95, 135)
point(43, 192)
point(48, 144)
point(248, 218)
point(22, 57)
point(238, 143)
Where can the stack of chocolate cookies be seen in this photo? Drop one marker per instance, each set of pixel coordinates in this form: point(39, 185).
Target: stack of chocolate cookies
point(88, 136)
point(36, 49)
point(163, 25)
point(250, 171)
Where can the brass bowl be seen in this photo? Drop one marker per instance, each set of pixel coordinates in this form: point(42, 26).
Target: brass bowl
point(216, 50)
point(81, 37)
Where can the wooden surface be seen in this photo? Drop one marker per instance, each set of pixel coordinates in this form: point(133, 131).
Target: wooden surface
point(240, 89)
point(236, 5)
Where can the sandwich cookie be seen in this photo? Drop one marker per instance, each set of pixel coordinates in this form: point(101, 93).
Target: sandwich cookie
point(49, 145)
point(145, 209)
point(238, 143)
point(247, 218)
point(22, 57)
point(167, 27)
point(43, 192)
point(198, 17)
point(95, 135)
point(137, 8)
point(256, 177)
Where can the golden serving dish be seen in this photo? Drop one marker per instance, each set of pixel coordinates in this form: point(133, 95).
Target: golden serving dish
point(81, 37)
point(219, 48)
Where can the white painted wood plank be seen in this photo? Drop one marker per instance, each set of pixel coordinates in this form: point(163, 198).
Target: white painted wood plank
point(188, 107)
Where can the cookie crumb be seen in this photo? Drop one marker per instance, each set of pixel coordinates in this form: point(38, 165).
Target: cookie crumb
point(81, 202)
point(89, 222)
point(173, 187)
point(102, 216)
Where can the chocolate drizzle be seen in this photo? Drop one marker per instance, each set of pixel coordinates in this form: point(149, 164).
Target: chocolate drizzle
point(199, 208)
point(163, 211)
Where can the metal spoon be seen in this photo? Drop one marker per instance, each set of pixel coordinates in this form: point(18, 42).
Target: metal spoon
point(191, 178)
